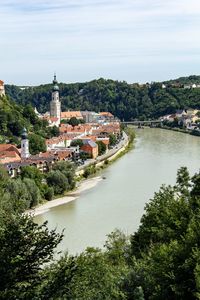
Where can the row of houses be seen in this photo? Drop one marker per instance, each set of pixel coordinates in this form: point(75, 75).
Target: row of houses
point(58, 148)
point(88, 133)
point(189, 118)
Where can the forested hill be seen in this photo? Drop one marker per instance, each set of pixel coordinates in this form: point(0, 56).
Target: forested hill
point(185, 80)
point(14, 117)
point(127, 101)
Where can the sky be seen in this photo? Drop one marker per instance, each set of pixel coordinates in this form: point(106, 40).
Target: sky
point(82, 40)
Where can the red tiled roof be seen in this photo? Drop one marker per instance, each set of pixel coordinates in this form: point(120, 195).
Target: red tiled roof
point(106, 114)
point(71, 114)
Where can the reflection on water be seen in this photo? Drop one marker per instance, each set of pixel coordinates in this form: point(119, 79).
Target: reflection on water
point(118, 201)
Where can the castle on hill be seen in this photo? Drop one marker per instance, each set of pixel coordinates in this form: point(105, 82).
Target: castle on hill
point(2, 88)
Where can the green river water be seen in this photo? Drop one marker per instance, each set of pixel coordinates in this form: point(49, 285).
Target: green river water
point(119, 200)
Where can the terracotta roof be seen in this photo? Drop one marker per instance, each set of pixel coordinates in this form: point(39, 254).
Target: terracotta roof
point(9, 147)
point(106, 114)
point(71, 114)
point(1, 82)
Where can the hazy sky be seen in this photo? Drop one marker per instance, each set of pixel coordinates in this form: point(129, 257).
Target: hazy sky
point(132, 40)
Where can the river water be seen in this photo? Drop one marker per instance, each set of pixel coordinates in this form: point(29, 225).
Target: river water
point(119, 200)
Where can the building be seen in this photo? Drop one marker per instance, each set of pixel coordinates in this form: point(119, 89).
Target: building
point(90, 147)
point(9, 153)
point(90, 116)
point(55, 104)
point(24, 145)
point(67, 115)
point(2, 88)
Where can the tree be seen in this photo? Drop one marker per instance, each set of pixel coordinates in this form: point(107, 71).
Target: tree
point(165, 250)
point(73, 121)
point(76, 143)
point(138, 293)
point(112, 139)
point(17, 190)
point(58, 181)
point(32, 173)
point(54, 131)
point(68, 169)
point(88, 276)
point(101, 147)
point(33, 190)
point(29, 113)
point(36, 144)
point(183, 180)
point(24, 249)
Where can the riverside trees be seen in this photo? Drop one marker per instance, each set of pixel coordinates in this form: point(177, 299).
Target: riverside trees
point(160, 261)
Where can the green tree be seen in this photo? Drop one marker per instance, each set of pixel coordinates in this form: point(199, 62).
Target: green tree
point(101, 147)
point(36, 144)
point(76, 143)
point(183, 181)
point(68, 169)
point(138, 293)
point(33, 190)
point(32, 173)
point(58, 181)
point(24, 249)
point(73, 121)
point(17, 190)
point(112, 139)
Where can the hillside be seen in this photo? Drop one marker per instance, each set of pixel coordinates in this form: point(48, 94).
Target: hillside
point(14, 117)
point(127, 101)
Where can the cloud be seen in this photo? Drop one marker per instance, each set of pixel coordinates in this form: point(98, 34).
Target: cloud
point(68, 35)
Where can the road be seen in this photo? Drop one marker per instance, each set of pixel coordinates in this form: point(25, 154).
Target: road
point(105, 156)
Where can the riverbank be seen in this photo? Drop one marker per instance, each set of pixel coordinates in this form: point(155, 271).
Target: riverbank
point(71, 196)
point(119, 200)
point(194, 133)
point(87, 183)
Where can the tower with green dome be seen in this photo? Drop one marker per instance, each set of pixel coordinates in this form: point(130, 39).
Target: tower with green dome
point(55, 104)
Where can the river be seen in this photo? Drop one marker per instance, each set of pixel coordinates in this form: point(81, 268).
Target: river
point(119, 200)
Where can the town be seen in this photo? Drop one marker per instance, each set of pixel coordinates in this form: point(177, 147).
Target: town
point(187, 119)
point(84, 137)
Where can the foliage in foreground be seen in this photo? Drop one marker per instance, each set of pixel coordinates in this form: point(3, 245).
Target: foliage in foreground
point(160, 261)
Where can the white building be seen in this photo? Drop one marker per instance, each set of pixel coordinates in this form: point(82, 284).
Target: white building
point(25, 145)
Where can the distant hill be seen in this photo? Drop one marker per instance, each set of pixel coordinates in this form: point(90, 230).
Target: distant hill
point(127, 101)
point(186, 80)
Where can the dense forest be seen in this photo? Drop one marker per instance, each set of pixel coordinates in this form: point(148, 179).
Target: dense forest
point(160, 261)
point(126, 101)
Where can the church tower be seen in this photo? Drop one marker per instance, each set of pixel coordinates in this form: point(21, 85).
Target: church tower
point(55, 105)
point(24, 144)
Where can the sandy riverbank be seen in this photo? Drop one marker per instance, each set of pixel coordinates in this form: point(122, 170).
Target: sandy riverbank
point(83, 186)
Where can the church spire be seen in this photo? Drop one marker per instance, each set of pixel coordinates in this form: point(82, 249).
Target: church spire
point(55, 80)
point(55, 83)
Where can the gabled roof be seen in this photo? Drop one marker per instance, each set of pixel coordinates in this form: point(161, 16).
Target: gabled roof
point(9, 147)
point(106, 114)
point(71, 114)
point(89, 142)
